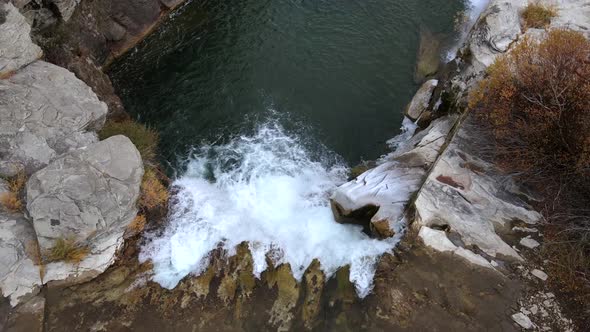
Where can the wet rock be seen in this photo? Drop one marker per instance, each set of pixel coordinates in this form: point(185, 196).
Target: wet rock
point(522, 320)
point(421, 100)
point(88, 192)
point(65, 7)
point(19, 276)
point(45, 111)
point(377, 198)
point(428, 55)
point(460, 193)
point(16, 48)
point(529, 242)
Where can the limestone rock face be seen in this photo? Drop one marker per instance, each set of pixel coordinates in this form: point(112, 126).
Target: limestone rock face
point(16, 48)
point(421, 100)
point(45, 111)
point(497, 28)
point(87, 193)
point(66, 7)
point(383, 192)
point(462, 194)
point(19, 276)
point(573, 14)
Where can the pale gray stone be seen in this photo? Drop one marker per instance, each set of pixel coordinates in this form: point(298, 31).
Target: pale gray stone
point(421, 100)
point(523, 320)
point(87, 192)
point(19, 277)
point(540, 274)
point(529, 242)
point(497, 28)
point(16, 48)
point(45, 111)
point(171, 3)
point(461, 194)
point(390, 185)
point(66, 7)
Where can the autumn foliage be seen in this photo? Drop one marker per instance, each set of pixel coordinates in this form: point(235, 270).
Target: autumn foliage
point(536, 15)
point(11, 200)
point(536, 100)
point(535, 104)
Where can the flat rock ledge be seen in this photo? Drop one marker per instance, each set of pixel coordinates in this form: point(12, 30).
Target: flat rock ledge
point(377, 199)
point(462, 196)
point(45, 111)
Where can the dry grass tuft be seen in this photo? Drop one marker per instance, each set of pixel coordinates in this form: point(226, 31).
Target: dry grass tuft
point(145, 139)
point(12, 199)
point(538, 16)
point(67, 250)
point(137, 225)
point(154, 194)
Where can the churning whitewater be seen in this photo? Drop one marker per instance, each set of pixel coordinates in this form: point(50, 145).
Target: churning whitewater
point(268, 190)
point(263, 189)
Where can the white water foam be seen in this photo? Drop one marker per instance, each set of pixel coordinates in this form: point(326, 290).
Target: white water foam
point(266, 191)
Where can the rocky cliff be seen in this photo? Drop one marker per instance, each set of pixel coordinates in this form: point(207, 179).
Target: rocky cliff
point(78, 189)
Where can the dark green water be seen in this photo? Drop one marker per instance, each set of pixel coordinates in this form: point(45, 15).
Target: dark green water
point(338, 72)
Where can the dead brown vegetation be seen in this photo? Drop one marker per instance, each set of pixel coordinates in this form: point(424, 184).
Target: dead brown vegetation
point(535, 103)
point(11, 200)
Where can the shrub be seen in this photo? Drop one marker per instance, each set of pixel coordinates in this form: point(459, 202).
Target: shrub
point(144, 138)
point(538, 16)
point(137, 225)
point(11, 200)
point(154, 194)
point(536, 100)
point(67, 249)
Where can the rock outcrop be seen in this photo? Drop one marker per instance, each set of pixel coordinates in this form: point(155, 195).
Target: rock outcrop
point(45, 111)
point(462, 195)
point(16, 48)
point(19, 276)
point(65, 7)
point(377, 198)
point(498, 27)
point(421, 100)
point(86, 193)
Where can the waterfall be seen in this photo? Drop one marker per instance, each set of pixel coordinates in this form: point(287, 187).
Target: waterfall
point(266, 190)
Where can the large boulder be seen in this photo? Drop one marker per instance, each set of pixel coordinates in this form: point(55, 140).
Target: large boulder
point(16, 48)
point(45, 111)
point(421, 100)
point(377, 199)
point(19, 276)
point(86, 192)
point(88, 195)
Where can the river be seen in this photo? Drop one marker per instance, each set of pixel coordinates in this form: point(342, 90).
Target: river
point(262, 107)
